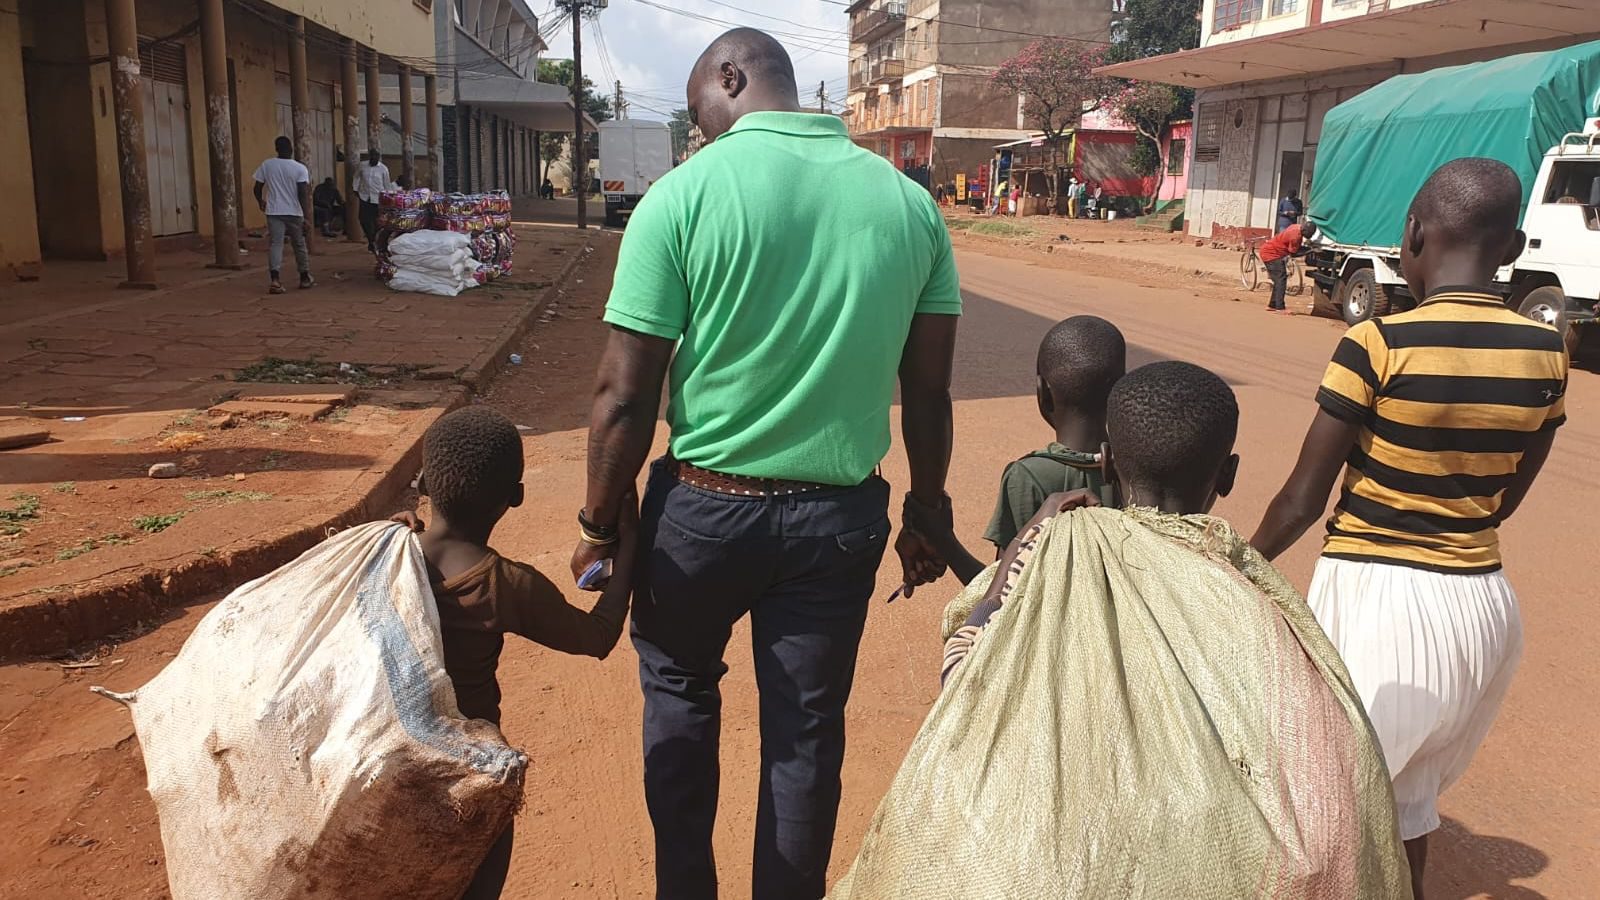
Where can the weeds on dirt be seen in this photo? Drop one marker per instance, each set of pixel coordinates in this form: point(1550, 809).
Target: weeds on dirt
point(272, 459)
point(115, 539)
point(26, 510)
point(277, 425)
point(182, 440)
point(157, 524)
point(227, 496)
point(276, 370)
point(66, 487)
point(185, 420)
point(208, 552)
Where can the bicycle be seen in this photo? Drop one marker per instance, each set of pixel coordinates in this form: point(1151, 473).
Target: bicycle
point(1251, 266)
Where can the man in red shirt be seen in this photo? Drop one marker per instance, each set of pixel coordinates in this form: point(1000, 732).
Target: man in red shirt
point(1275, 255)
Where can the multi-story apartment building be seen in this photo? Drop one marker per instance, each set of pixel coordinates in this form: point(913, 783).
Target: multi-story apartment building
point(1267, 71)
point(920, 91)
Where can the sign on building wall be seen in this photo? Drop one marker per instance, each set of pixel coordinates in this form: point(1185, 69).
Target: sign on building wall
point(961, 187)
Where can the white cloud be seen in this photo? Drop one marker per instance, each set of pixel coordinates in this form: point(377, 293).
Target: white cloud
point(651, 49)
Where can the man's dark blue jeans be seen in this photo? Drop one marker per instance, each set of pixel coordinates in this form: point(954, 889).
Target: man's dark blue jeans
point(803, 567)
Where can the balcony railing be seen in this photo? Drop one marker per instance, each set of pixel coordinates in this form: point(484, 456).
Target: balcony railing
point(879, 19)
point(886, 70)
point(860, 74)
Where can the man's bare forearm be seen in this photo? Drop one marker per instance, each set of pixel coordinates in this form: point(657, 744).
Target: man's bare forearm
point(1304, 496)
point(926, 416)
point(622, 424)
point(1533, 460)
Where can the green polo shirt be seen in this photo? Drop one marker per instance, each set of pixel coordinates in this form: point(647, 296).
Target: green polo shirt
point(787, 262)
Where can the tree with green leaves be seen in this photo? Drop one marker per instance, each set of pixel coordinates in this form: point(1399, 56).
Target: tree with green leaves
point(1055, 77)
point(1149, 107)
point(553, 144)
point(1155, 27)
point(680, 127)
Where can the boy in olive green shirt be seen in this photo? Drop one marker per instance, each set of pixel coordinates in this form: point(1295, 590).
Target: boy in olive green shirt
point(1079, 361)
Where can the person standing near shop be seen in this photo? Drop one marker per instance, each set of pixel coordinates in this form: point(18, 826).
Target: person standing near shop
point(781, 363)
point(372, 180)
point(283, 191)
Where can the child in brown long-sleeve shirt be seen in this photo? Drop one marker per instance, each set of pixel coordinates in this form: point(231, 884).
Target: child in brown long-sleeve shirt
point(472, 473)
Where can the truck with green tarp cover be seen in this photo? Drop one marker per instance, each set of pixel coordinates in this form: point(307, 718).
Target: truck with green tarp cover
point(1536, 112)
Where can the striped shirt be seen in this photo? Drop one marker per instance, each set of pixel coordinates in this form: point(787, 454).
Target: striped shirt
point(1448, 395)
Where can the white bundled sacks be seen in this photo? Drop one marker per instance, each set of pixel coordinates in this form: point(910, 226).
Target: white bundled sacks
point(432, 262)
point(306, 740)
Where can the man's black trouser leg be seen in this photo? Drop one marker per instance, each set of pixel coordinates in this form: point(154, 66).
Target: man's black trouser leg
point(803, 567)
point(1278, 271)
point(369, 223)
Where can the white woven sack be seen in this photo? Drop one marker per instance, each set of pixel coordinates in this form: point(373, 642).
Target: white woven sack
point(306, 741)
point(429, 242)
point(421, 282)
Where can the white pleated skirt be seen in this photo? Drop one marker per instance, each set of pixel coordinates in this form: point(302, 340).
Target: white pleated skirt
point(1431, 656)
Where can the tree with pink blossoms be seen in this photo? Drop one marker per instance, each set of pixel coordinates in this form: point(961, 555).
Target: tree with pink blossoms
point(1056, 80)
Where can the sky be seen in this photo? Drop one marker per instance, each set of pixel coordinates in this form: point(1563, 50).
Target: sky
point(649, 45)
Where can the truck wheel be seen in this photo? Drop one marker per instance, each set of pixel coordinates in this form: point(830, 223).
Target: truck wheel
point(613, 217)
point(1549, 305)
point(1362, 298)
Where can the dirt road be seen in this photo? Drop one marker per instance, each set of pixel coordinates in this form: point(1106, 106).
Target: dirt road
point(1522, 824)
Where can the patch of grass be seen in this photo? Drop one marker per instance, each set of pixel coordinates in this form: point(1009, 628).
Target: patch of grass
point(277, 425)
point(338, 415)
point(122, 442)
point(182, 440)
point(227, 496)
point(208, 552)
point(26, 510)
point(110, 540)
point(273, 459)
point(66, 487)
point(157, 524)
point(275, 369)
point(10, 570)
point(185, 420)
point(1000, 229)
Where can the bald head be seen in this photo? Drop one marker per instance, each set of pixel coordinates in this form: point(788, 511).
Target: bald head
point(743, 71)
point(1462, 225)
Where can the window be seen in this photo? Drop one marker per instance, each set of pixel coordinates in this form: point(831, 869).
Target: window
point(908, 148)
point(1572, 182)
point(1175, 155)
point(1208, 132)
point(1234, 13)
point(1283, 7)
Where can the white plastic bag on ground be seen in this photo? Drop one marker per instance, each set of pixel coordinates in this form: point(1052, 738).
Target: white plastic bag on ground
point(306, 741)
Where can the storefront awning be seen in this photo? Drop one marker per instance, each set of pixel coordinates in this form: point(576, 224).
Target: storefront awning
point(531, 104)
point(1410, 32)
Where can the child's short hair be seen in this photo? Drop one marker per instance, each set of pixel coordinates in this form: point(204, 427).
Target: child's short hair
point(471, 461)
point(1080, 359)
point(1171, 424)
point(1472, 200)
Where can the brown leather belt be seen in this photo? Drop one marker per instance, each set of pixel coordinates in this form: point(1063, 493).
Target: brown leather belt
point(739, 485)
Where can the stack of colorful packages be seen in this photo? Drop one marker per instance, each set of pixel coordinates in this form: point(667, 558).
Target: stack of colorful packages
point(483, 221)
point(400, 212)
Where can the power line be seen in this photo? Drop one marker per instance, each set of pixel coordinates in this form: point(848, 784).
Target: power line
point(1027, 34)
point(803, 41)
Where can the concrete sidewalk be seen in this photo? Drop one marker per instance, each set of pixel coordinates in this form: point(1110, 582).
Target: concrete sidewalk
point(125, 379)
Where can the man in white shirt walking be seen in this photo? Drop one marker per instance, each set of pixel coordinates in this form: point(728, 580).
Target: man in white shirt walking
point(372, 180)
point(283, 189)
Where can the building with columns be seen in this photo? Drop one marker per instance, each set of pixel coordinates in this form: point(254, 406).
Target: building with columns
point(492, 104)
point(1267, 72)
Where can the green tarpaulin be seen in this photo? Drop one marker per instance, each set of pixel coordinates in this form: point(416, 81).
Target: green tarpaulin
point(1378, 147)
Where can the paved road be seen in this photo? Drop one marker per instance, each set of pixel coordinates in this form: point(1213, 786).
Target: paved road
point(1522, 824)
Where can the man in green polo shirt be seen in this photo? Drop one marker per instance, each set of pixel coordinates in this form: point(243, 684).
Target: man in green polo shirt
point(780, 281)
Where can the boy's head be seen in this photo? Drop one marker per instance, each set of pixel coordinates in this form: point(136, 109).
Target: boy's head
point(1080, 359)
point(284, 147)
point(472, 467)
point(1462, 225)
point(1172, 426)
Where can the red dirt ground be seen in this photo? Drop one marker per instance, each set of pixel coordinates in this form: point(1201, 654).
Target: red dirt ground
point(1521, 824)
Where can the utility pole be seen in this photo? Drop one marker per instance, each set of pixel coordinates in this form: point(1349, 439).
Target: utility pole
point(617, 106)
point(580, 150)
point(822, 97)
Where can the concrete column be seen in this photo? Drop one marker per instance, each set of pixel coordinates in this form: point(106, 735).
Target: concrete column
point(219, 135)
point(464, 162)
point(430, 97)
point(300, 99)
point(374, 103)
point(350, 99)
point(122, 45)
point(408, 159)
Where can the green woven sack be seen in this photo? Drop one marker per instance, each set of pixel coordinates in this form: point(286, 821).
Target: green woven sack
point(1154, 713)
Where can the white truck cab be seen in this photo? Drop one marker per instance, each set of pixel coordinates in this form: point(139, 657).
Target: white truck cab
point(1556, 280)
